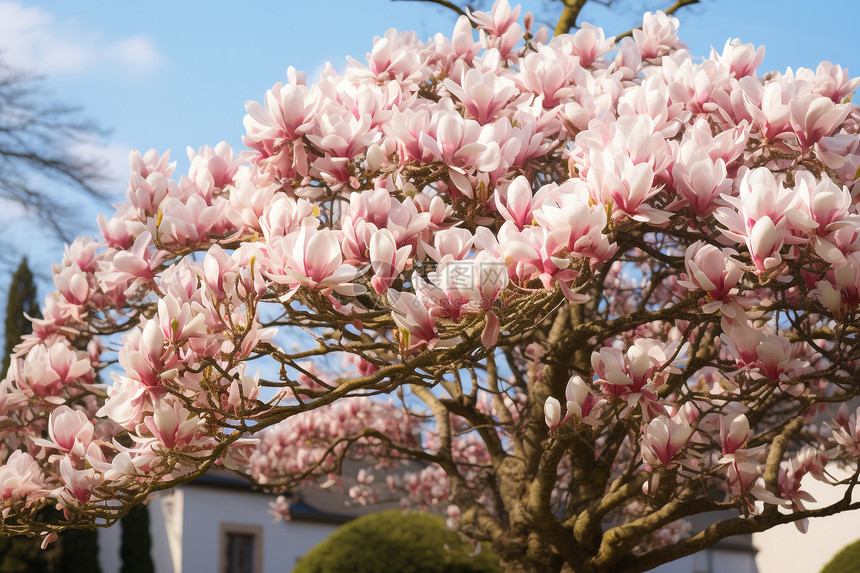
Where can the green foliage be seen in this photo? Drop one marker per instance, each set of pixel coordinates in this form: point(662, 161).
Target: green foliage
point(135, 543)
point(846, 561)
point(22, 298)
point(411, 542)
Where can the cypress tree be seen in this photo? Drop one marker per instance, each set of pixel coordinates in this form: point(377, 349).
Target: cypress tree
point(22, 299)
point(135, 541)
point(80, 551)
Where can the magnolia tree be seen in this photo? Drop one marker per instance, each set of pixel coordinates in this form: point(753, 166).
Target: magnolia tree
point(593, 288)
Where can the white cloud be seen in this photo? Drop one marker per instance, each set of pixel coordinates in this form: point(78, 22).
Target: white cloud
point(35, 39)
point(138, 52)
point(111, 159)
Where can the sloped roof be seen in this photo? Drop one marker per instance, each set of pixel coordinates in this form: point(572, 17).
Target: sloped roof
point(313, 502)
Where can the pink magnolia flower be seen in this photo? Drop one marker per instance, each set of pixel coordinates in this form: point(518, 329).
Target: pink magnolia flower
point(791, 474)
point(370, 211)
point(714, 271)
point(178, 322)
point(73, 284)
point(734, 432)
point(189, 222)
point(386, 259)
point(829, 80)
point(549, 74)
point(814, 117)
point(345, 137)
point(21, 478)
point(763, 216)
point(150, 162)
point(566, 213)
point(658, 35)
point(743, 475)
point(130, 269)
point(483, 94)
point(625, 185)
point(312, 258)
point(417, 326)
point(552, 414)
point(634, 375)
point(70, 432)
point(741, 59)
point(727, 145)
point(534, 250)
point(78, 484)
point(48, 369)
point(454, 243)
point(582, 405)
point(126, 401)
point(700, 180)
point(463, 287)
point(826, 202)
point(393, 57)
point(121, 467)
point(287, 113)
point(778, 359)
point(518, 202)
point(768, 106)
point(146, 193)
point(498, 20)
point(284, 215)
point(589, 43)
point(740, 338)
point(846, 431)
point(173, 425)
point(253, 191)
point(213, 168)
point(243, 389)
point(664, 439)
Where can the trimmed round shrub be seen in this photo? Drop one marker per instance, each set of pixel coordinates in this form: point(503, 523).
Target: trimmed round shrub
point(846, 561)
point(406, 542)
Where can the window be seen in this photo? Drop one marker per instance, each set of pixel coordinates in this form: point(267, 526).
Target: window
point(241, 548)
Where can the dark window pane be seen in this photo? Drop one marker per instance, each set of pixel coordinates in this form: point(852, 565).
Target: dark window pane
point(240, 553)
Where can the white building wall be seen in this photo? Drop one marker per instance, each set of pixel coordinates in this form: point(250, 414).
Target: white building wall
point(206, 509)
point(185, 526)
point(712, 561)
point(783, 548)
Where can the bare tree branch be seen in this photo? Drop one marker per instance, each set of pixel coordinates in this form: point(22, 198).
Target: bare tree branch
point(37, 141)
point(443, 3)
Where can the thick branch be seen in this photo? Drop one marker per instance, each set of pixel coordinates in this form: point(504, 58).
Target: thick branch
point(567, 20)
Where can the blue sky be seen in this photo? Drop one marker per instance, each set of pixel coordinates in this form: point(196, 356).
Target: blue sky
point(167, 75)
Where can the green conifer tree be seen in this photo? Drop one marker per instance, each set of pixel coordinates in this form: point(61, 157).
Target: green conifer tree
point(135, 542)
point(79, 551)
point(23, 298)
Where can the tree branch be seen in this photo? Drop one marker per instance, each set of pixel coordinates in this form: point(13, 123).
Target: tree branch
point(567, 20)
point(444, 4)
